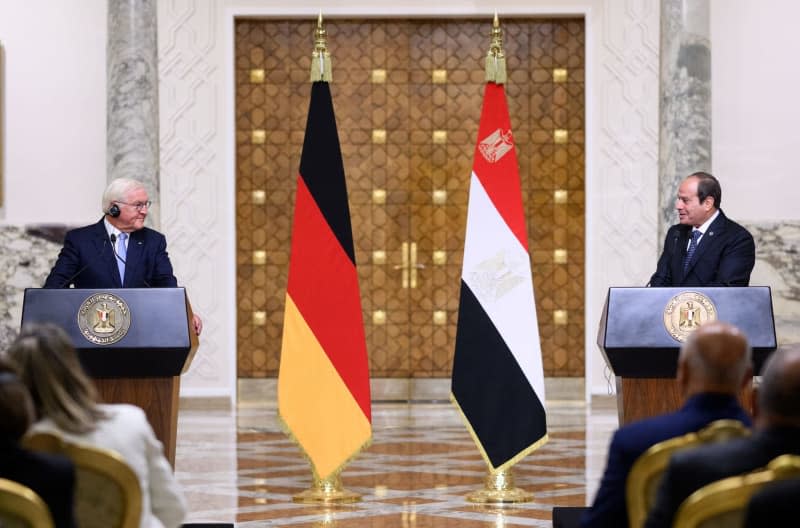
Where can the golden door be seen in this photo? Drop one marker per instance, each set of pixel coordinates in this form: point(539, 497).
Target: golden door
point(407, 95)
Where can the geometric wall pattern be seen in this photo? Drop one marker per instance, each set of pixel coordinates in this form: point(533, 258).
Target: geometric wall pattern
point(407, 96)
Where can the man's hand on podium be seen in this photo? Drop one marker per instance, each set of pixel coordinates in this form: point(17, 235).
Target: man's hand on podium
point(198, 324)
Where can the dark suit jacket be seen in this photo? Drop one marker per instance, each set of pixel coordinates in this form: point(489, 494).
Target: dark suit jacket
point(775, 505)
point(52, 477)
point(690, 470)
point(630, 441)
point(725, 256)
point(87, 260)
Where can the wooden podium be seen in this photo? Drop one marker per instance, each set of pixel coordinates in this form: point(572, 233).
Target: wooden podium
point(640, 332)
point(140, 366)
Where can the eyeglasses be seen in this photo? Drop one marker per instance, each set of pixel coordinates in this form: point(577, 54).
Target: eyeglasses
point(138, 205)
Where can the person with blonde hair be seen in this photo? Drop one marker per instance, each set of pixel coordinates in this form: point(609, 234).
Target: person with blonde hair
point(66, 403)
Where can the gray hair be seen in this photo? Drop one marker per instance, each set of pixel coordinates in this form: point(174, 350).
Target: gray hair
point(117, 189)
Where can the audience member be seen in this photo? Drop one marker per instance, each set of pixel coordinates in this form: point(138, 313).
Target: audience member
point(66, 404)
point(51, 477)
point(777, 433)
point(713, 365)
point(774, 505)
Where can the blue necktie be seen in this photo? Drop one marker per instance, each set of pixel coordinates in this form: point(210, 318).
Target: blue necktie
point(696, 234)
point(122, 253)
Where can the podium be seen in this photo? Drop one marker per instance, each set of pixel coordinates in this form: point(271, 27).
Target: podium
point(642, 329)
point(133, 342)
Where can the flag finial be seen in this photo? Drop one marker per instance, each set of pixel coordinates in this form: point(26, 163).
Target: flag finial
point(496, 59)
point(320, 59)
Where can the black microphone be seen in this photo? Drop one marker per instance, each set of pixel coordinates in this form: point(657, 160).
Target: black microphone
point(114, 247)
point(75, 275)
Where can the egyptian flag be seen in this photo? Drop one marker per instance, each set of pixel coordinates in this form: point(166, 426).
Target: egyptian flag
point(498, 384)
point(323, 382)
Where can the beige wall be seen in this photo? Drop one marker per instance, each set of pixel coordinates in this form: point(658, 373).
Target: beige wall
point(53, 134)
point(755, 81)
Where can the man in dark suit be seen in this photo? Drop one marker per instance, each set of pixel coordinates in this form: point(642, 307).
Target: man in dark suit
point(774, 505)
point(714, 364)
point(777, 433)
point(706, 248)
point(118, 251)
point(52, 477)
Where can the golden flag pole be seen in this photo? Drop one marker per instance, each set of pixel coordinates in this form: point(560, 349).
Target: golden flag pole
point(327, 490)
point(321, 59)
point(499, 485)
point(496, 58)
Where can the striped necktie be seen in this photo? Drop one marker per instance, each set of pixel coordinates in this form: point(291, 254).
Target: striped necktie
point(696, 234)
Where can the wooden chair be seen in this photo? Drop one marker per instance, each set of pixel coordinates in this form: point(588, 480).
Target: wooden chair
point(21, 507)
point(723, 503)
point(645, 476)
point(107, 492)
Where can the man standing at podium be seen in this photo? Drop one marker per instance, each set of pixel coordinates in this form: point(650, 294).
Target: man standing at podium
point(118, 251)
point(705, 248)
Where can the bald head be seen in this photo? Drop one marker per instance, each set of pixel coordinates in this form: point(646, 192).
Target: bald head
point(715, 358)
point(779, 393)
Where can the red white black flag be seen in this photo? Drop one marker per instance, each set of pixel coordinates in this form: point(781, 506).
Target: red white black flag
point(498, 383)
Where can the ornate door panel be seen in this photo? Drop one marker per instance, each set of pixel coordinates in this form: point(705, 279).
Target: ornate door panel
point(408, 97)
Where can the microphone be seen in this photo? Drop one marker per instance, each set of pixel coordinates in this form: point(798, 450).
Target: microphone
point(75, 275)
point(114, 248)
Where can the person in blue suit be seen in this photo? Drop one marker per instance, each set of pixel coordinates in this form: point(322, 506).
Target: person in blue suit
point(776, 433)
point(713, 365)
point(723, 252)
point(118, 251)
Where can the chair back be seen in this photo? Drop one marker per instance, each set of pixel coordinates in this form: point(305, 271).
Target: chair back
point(645, 475)
point(107, 491)
point(723, 503)
point(21, 507)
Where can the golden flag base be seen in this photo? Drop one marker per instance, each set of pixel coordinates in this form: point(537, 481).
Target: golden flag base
point(327, 491)
point(499, 489)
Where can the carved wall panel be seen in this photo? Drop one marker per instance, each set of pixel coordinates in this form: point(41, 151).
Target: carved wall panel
point(408, 96)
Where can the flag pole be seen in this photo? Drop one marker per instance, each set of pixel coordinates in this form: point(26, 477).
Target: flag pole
point(499, 487)
point(327, 490)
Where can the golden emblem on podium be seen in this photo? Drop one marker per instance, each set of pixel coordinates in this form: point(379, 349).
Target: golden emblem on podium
point(686, 312)
point(104, 318)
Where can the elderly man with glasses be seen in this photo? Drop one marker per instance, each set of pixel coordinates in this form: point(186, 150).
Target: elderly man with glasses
point(118, 251)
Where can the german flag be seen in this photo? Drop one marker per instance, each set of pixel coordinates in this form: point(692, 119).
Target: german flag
point(323, 382)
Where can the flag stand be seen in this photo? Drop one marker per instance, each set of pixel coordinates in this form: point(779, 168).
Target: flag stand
point(499, 489)
point(327, 491)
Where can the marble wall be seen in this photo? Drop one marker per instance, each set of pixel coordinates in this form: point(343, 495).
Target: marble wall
point(26, 256)
point(777, 266)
